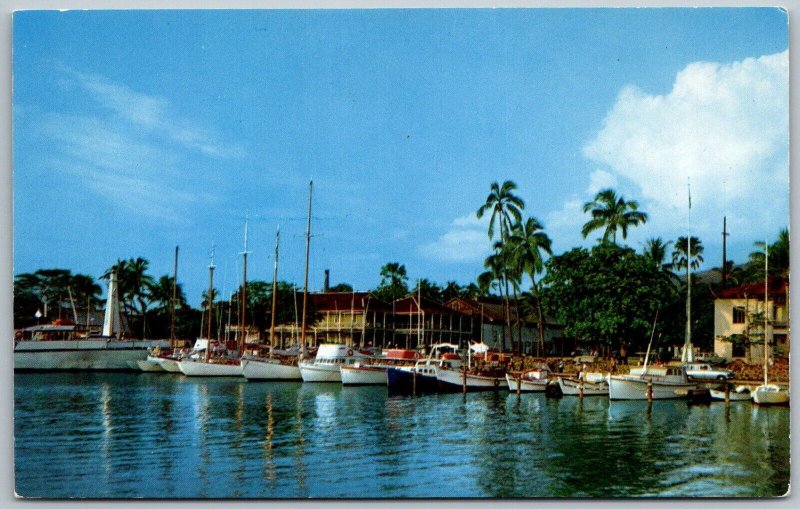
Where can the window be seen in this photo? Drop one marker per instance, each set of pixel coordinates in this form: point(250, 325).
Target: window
point(738, 314)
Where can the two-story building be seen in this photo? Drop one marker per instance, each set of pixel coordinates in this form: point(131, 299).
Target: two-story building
point(739, 320)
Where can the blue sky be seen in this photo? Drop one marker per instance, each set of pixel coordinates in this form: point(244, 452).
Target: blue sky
point(135, 131)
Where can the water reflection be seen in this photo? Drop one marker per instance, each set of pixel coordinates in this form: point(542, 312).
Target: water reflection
point(114, 435)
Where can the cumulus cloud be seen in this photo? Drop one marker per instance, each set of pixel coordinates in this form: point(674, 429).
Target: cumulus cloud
point(723, 126)
point(465, 241)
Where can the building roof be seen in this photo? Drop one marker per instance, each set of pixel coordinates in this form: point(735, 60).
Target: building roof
point(490, 307)
point(347, 301)
point(410, 306)
point(777, 290)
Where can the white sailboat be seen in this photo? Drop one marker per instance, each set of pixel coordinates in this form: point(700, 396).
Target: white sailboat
point(768, 394)
point(220, 365)
point(272, 367)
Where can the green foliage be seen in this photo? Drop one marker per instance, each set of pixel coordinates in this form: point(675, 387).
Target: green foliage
point(394, 282)
point(613, 213)
point(428, 289)
point(48, 290)
point(609, 294)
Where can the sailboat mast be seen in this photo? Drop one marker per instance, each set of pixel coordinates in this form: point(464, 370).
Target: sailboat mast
point(172, 302)
point(211, 268)
point(688, 355)
point(242, 319)
point(305, 277)
point(274, 293)
point(766, 305)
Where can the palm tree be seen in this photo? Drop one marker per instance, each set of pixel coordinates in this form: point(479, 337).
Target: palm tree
point(778, 258)
point(613, 213)
point(504, 206)
point(394, 281)
point(682, 258)
point(530, 243)
point(497, 271)
point(656, 249)
point(134, 286)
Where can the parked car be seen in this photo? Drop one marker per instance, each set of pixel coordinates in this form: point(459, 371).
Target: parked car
point(702, 371)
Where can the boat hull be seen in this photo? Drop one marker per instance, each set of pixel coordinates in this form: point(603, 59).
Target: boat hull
point(149, 366)
point(770, 395)
point(83, 354)
point(363, 375)
point(627, 388)
point(196, 368)
point(453, 381)
point(401, 382)
point(327, 373)
point(577, 388)
point(167, 364)
point(525, 385)
point(269, 369)
point(718, 394)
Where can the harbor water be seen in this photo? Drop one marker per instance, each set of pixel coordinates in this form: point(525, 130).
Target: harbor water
point(147, 435)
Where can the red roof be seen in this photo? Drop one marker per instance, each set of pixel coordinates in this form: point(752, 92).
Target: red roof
point(777, 290)
point(346, 301)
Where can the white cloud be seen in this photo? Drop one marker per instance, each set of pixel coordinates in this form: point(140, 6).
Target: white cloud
point(465, 241)
point(152, 114)
point(725, 126)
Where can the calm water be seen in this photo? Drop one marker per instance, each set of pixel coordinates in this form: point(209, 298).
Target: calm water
point(150, 435)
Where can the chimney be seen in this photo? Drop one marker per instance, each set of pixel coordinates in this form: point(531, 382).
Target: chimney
point(326, 283)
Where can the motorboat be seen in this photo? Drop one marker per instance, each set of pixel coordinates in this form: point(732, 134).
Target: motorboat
point(532, 380)
point(325, 367)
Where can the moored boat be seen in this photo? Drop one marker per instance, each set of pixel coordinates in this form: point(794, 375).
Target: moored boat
point(770, 394)
point(533, 380)
point(325, 367)
point(218, 366)
point(377, 373)
point(421, 377)
point(266, 368)
point(740, 393)
point(67, 347)
point(454, 380)
point(651, 382)
point(149, 366)
point(580, 387)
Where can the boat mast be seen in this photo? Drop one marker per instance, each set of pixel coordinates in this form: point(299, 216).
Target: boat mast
point(688, 355)
point(766, 306)
point(242, 319)
point(305, 277)
point(172, 303)
point(211, 267)
point(274, 294)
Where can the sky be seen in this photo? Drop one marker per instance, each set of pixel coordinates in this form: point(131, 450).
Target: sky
point(136, 131)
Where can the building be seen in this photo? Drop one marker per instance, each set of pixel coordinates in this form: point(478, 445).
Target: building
point(489, 320)
point(350, 318)
point(421, 322)
point(739, 320)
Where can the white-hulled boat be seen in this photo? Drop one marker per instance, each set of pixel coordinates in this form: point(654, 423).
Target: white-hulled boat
point(169, 359)
point(363, 374)
point(325, 367)
point(651, 382)
point(266, 368)
point(214, 366)
point(452, 380)
point(580, 387)
point(768, 394)
point(740, 393)
point(376, 374)
point(533, 380)
point(65, 347)
point(148, 366)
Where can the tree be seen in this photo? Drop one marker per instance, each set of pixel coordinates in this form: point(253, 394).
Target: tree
point(529, 243)
point(778, 258)
point(47, 290)
point(608, 295)
point(134, 285)
point(505, 206)
point(451, 290)
point(613, 213)
point(682, 258)
point(394, 282)
point(428, 289)
point(656, 249)
point(341, 287)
